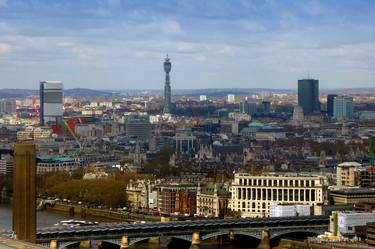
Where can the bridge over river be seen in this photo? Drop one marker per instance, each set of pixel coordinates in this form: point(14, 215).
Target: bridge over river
point(192, 231)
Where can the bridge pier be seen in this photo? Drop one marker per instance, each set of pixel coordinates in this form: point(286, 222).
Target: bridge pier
point(231, 236)
point(53, 244)
point(124, 242)
point(195, 240)
point(85, 244)
point(265, 242)
point(154, 240)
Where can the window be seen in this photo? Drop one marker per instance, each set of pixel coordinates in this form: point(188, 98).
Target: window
point(274, 194)
point(240, 181)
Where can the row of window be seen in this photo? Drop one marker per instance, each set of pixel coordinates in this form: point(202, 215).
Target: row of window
point(277, 182)
point(275, 194)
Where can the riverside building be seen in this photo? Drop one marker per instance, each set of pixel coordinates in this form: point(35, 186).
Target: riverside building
point(252, 195)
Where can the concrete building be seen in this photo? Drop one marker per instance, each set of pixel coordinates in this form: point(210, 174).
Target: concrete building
point(253, 194)
point(184, 140)
point(367, 177)
point(213, 199)
point(139, 128)
point(343, 107)
point(247, 107)
point(298, 116)
point(347, 174)
point(51, 102)
point(7, 106)
point(231, 98)
point(351, 195)
point(6, 165)
point(202, 97)
point(308, 95)
point(24, 192)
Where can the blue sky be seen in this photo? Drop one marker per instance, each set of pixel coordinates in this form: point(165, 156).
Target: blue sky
point(120, 44)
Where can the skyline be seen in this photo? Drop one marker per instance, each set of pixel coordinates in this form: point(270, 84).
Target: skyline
point(213, 44)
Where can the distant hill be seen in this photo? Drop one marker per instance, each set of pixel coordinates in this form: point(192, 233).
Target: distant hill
point(17, 93)
point(218, 92)
point(23, 93)
point(88, 92)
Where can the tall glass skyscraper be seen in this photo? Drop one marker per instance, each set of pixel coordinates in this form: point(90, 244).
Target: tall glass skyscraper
point(343, 107)
point(308, 95)
point(167, 86)
point(330, 99)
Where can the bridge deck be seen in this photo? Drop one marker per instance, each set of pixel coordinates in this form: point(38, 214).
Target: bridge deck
point(110, 230)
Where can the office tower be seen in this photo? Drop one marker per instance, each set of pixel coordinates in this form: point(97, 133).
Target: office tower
point(247, 107)
point(7, 106)
point(139, 128)
point(266, 106)
point(343, 107)
point(308, 95)
point(231, 98)
point(51, 102)
point(167, 86)
point(24, 192)
point(330, 99)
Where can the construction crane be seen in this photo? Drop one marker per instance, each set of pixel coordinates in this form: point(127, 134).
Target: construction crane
point(73, 134)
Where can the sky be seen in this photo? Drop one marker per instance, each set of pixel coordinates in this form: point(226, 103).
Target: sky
point(121, 44)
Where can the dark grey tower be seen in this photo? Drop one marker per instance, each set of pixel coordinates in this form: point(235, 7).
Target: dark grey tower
point(308, 95)
point(167, 86)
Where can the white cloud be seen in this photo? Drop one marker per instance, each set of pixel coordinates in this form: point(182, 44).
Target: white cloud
point(171, 27)
point(227, 51)
point(84, 52)
point(5, 48)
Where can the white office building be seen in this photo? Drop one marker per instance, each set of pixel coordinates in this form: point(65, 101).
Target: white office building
point(252, 195)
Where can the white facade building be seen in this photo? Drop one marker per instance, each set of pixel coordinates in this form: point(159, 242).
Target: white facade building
point(252, 195)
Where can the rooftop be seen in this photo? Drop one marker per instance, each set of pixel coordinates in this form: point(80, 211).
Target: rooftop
point(346, 191)
point(57, 159)
point(350, 164)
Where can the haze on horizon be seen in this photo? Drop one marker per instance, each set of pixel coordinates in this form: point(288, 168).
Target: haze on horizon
point(121, 44)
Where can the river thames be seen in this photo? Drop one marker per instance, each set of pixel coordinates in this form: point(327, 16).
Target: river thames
point(48, 218)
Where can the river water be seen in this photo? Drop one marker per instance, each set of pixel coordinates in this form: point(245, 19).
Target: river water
point(48, 218)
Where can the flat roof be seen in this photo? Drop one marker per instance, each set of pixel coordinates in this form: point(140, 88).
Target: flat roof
point(354, 191)
point(60, 159)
